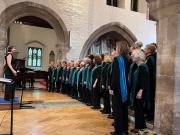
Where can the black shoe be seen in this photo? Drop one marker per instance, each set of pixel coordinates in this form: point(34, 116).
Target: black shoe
point(110, 116)
point(95, 107)
point(125, 133)
point(103, 111)
point(135, 131)
point(88, 104)
point(115, 133)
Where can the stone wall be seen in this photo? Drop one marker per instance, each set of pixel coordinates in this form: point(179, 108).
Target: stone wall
point(2, 7)
point(83, 17)
point(167, 110)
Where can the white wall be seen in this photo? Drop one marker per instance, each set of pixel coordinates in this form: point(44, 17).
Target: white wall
point(143, 29)
point(83, 17)
point(24, 36)
point(128, 4)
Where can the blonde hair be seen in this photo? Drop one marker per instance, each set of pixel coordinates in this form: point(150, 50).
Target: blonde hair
point(87, 60)
point(82, 63)
point(108, 58)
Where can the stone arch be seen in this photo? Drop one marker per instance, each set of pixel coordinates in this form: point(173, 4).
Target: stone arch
point(10, 14)
point(113, 26)
point(35, 41)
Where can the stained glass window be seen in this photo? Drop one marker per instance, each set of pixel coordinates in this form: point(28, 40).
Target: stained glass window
point(34, 57)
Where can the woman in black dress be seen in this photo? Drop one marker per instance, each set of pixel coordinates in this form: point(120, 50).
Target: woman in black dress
point(150, 53)
point(140, 89)
point(104, 84)
point(119, 88)
point(9, 71)
point(95, 81)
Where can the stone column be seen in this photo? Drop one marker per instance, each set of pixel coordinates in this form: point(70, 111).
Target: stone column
point(62, 51)
point(3, 44)
point(59, 52)
point(167, 108)
point(1, 61)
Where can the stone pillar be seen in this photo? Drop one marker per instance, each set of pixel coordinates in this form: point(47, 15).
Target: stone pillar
point(1, 61)
point(3, 44)
point(167, 108)
point(61, 51)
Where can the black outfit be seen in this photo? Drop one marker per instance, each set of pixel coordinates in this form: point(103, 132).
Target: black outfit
point(84, 90)
point(67, 87)
point(105, 91)
point(9, 75)
point(96, 71)
point(120, 109)
point(74, 83)
point(63, 79)
point(151, 63)
point(140, 82)
point(109, 84)
point(133, 68)
point(51, 74)
point(58, 80)
point(89, 84)
point(79, 84)
point(71, 72)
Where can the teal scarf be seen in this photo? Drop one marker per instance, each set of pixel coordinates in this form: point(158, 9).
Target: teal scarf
point(122, 76)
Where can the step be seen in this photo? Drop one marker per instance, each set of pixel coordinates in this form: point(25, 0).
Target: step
point(6, 105)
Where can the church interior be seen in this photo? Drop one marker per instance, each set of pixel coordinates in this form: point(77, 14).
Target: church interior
point(90, 67)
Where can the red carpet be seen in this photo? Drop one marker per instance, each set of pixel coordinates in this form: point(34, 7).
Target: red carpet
point(43, 83)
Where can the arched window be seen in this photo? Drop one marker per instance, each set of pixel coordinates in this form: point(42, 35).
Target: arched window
point(112, 3)
point(34, 57)
point(102, 46)
point(134, 5)
point(51, 57)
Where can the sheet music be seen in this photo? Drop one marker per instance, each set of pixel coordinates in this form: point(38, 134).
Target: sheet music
point(5, 80)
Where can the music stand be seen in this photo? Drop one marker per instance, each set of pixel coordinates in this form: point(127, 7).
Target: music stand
point(11, 82)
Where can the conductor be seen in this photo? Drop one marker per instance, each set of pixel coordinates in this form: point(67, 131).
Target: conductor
point(9, 71)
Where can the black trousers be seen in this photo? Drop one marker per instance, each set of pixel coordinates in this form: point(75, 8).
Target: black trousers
point(96, 97)
point(139, 115)
point(51, 86)
point(63, 87)
point(84, 94)
point(120, 111)
point(88, 96)
point(74, 92)
point(150, 112)
point(9, 88)
point(58, 85)
point(80, 91)
point(106, 101)
point(71, 90)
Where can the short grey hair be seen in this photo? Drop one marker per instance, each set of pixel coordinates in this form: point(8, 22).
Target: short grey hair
point(138, 44)
point(138, 54)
